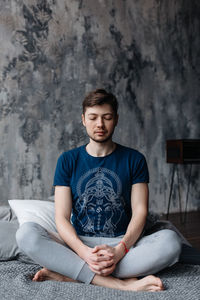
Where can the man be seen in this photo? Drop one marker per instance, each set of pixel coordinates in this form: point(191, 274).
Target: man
point(101, 205)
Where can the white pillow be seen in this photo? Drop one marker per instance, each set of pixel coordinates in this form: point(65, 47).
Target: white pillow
point(38, 211)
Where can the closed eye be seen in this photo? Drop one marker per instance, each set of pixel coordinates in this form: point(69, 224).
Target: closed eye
point(108, 117)
point(92, 116)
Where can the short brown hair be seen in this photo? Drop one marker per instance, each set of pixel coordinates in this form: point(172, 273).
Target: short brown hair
point(100, 97)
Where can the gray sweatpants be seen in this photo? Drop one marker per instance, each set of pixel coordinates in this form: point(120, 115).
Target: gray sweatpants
point(149, 255)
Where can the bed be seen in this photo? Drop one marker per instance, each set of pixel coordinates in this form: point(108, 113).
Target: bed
point(181, 281)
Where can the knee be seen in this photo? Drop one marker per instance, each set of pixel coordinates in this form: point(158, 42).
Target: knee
point(171, 245)
point(27, 237)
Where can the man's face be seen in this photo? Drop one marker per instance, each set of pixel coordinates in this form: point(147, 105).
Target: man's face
point(100, 122)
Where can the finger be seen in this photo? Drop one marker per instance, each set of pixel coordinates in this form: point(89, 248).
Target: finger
point(106, 264)
point(103, 258)
point(106, 252)
point(94, 270)
point(100, 247)
point(99, 259)
point(108, 271)
point(101, 265)
point(95, 249)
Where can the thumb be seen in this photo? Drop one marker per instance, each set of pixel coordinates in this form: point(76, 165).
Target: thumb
point(95, 249)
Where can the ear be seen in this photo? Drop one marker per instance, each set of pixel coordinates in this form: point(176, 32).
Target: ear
point(83, 119)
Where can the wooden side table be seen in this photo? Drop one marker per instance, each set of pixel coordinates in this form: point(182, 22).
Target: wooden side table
point(183, 151)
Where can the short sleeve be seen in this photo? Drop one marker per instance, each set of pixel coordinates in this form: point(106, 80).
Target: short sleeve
point(140, 171)
point(62, 173)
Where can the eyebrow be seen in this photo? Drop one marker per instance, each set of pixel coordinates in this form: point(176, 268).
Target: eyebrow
point(102, 115)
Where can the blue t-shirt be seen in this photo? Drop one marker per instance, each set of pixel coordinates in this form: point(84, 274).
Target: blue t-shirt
point(101, 188)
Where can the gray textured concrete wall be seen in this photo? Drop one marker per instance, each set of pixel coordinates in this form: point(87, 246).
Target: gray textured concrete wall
point(53, 52)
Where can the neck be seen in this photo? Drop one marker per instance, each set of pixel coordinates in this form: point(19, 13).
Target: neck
point(100, 149)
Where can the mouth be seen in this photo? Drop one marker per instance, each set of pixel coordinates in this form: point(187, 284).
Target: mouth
point(100, 132)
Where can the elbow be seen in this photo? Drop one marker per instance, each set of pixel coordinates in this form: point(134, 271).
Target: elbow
point(140, 213)
point(60, 221)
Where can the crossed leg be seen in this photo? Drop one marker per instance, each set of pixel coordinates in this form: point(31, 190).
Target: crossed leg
point(65, 265)
point(148, 283)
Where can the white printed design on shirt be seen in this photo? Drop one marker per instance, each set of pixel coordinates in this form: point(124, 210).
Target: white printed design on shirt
point(100, 206)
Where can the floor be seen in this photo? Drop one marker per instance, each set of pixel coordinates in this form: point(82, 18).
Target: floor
point(190, 227)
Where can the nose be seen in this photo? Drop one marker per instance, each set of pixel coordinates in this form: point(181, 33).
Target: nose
point(100, 122)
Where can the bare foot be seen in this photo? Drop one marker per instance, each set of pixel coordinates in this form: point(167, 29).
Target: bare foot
point(45, 274)
point(148, 283)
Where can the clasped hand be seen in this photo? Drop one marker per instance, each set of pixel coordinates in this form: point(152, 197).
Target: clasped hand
point(102, 259)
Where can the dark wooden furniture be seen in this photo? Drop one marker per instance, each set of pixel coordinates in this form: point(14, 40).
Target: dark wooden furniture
point(183, 151)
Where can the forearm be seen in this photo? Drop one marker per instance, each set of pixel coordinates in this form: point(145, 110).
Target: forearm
point(70, 237)
point(63, 208)
point(139, 204)
point(135, 228)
